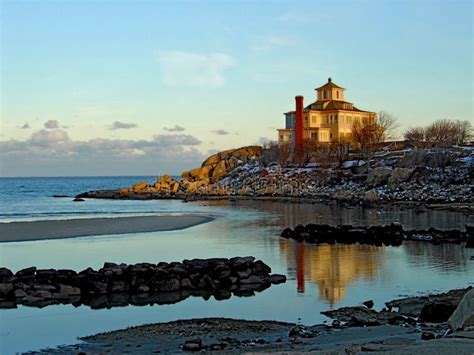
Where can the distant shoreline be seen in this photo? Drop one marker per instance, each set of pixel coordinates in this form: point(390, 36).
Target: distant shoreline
point(73, 228)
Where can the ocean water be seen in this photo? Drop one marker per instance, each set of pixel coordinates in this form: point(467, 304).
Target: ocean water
point(320, 277)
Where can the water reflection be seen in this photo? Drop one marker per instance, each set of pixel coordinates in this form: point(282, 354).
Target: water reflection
point(332, 268)
point(445, 257)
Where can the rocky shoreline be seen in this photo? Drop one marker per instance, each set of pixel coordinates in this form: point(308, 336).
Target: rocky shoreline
point(395, 177)
point(388, 235)
point(432, 324)
point(139, 284)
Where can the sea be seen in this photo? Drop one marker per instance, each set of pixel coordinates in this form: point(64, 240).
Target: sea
point(320, 277)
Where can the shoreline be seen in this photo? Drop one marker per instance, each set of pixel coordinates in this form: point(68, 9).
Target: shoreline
point(412, 329)
point(461, 207)
point(86, 227)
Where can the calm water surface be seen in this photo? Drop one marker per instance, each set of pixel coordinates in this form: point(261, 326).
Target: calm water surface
point(319, 277)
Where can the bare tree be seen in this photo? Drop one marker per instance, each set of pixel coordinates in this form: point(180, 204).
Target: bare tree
point(465, 132)
point(389, 123)
point(415, 135)
point(442, 132)
point(366, 135)
point(284, 154)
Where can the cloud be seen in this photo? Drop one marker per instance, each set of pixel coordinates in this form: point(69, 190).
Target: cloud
point(176, 139)
point(25, 126)
point(122, 125)
point(53, 152)
point(46, 137)
point(176, 128)
point(220, 132)
point(51, 124)
point(265, 140)
point(179, 68)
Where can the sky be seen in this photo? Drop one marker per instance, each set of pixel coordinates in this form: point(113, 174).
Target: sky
point(152, 87)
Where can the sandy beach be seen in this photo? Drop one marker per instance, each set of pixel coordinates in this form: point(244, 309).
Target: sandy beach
point(71, 228)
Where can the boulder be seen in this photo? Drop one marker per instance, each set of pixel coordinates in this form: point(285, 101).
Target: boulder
point(436, 312)
point(463, 315)
point(400, 175)
point(141, 186)
point(378, 176)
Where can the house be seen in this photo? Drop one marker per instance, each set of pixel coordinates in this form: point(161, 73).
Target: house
point(328, 119)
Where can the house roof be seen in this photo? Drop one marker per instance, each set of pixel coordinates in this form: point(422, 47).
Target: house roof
point(329, 85)
point(333, 105)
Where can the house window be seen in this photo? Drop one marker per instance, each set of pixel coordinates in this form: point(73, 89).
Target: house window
point(314, 136)
point(337, 94)
point(330, 135)
point(325, 95)
point(313, 119)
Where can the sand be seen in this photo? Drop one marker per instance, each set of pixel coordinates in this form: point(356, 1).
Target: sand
point(71, 228)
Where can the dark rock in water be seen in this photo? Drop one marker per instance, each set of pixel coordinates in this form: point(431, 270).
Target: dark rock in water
point(119, 285)
point(428, 336)
point(192, 345)
point(368, 304)
point(435, 312)
point(389, 235)
point(277, 279)
point(78, 199)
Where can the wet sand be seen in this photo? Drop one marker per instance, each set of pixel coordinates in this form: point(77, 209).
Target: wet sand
point(71, 228)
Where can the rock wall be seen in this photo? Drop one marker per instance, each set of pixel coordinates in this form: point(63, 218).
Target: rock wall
point(139, 284)
point(392, 234)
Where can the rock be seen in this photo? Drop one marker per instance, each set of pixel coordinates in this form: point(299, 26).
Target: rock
point(30, 271)
point(463, 316)
point(277, 279)
point(378, 177)
point(399, 175)
point(66, 291)
point(192, 345)
point(6, 289)
point(428, 336)
point(78, 199)
point(368, 304)
point(435, 312)
point(141, 186)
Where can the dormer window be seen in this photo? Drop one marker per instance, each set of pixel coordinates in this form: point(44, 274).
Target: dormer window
point(325, 95)
point(337, 94)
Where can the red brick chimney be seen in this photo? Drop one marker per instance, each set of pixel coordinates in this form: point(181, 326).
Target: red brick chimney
point(299, 125)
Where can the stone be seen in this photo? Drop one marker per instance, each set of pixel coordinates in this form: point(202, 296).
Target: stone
point(428, 336)
point(78, 199)
point(368, 304)
point(277, 279)
point(399, 175)
point(141, 186)
point(192, 345)
point(6, 289)
point(378, 176)
point(463, 315)
point(30, 271)
point(436, 312)
point(67, 291)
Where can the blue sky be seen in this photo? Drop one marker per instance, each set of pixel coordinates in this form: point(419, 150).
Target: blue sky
point(155, 86)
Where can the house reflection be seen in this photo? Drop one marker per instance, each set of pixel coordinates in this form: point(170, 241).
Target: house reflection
point(330, 267)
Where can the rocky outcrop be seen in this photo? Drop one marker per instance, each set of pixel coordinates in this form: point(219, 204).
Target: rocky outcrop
point(139, 284)
point(392, 234)
point(219, 165)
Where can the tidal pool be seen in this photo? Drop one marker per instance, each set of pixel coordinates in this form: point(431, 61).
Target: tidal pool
point(320, 277)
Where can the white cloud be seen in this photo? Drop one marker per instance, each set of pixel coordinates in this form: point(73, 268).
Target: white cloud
point(52, 152)
point(51, 124)
point(179, 68)
point(46, 137)
point(122, 125)
point(176, 128)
